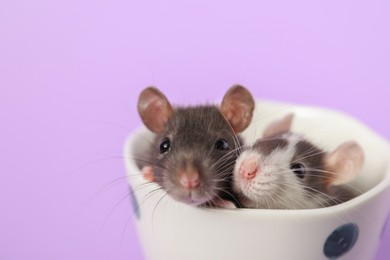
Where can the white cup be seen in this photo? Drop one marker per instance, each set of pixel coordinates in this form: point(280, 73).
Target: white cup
point(352, 230)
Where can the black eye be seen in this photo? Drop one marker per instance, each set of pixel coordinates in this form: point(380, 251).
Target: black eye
point(298, 169)
point(221, 144)
point(165, 145)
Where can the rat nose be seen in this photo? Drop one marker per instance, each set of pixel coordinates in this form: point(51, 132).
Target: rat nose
point(249, 168)
point(189, 179)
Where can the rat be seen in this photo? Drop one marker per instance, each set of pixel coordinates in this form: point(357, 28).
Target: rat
point(283, 170)
point(195, 147)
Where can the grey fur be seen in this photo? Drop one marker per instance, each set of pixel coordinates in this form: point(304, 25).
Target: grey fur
point(267, 145)
point(193, 132)
point(289, 191)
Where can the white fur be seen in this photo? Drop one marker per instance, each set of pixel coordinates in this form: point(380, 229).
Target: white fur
point(275, 184)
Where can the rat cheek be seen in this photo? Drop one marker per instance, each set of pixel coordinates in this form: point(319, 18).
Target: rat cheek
point(237, 183)
point(236, 168)
point(160, 157)
point(290, 180)
point(165, 178)
point(239, 188)
point(242, 185)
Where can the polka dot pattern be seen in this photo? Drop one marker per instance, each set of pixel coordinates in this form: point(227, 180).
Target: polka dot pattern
point(341, 241)
point(134, 203)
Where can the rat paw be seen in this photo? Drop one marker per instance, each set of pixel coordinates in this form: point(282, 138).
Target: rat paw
point(148, 173)
point(225, 204)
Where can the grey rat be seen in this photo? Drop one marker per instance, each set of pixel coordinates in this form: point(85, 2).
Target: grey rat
point(195, 147)
point(283, 170)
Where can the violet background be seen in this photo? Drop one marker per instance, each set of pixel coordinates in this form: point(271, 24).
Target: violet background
point(71, 72)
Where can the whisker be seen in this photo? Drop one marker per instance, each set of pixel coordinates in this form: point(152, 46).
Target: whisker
point(146, 197)
point(113, 208)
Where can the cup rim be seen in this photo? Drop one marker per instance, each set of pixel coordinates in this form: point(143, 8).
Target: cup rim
point(381, 186)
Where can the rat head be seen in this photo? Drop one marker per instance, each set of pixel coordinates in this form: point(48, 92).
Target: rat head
point(283, 170)
point(195, 147)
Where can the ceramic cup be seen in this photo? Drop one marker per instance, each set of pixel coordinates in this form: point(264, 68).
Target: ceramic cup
point(352, 230)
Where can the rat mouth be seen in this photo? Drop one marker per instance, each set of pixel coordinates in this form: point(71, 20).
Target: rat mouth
point(246, 184)
point(257, 190)
point(193, 197)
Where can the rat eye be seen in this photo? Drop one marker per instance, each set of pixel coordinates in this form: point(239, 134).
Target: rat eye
point(165, 145)
point(298, 169)
point(221, 144)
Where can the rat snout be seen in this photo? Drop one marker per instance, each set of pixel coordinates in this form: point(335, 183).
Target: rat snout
point(189, 178)
point(249, 168)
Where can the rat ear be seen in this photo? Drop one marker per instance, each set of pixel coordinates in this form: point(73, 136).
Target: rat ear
point(237, 107)
point(154, 109)
point(279, 127)
point(344, 163)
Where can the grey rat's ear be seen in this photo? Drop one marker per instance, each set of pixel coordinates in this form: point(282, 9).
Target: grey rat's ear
point(237, 107)
point(279, 127)
point(154, 109)
point(344, 163)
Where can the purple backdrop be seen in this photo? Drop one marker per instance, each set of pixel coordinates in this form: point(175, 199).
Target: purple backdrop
point(71, 71)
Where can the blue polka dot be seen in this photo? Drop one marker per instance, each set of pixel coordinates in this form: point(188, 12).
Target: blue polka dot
point(134, 203)
point(341, 241)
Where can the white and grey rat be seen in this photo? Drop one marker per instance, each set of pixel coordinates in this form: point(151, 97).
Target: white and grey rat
point(283, 170)
point(195, 147)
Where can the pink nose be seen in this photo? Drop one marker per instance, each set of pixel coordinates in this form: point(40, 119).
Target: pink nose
point(189, 179)
point(249, 168)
